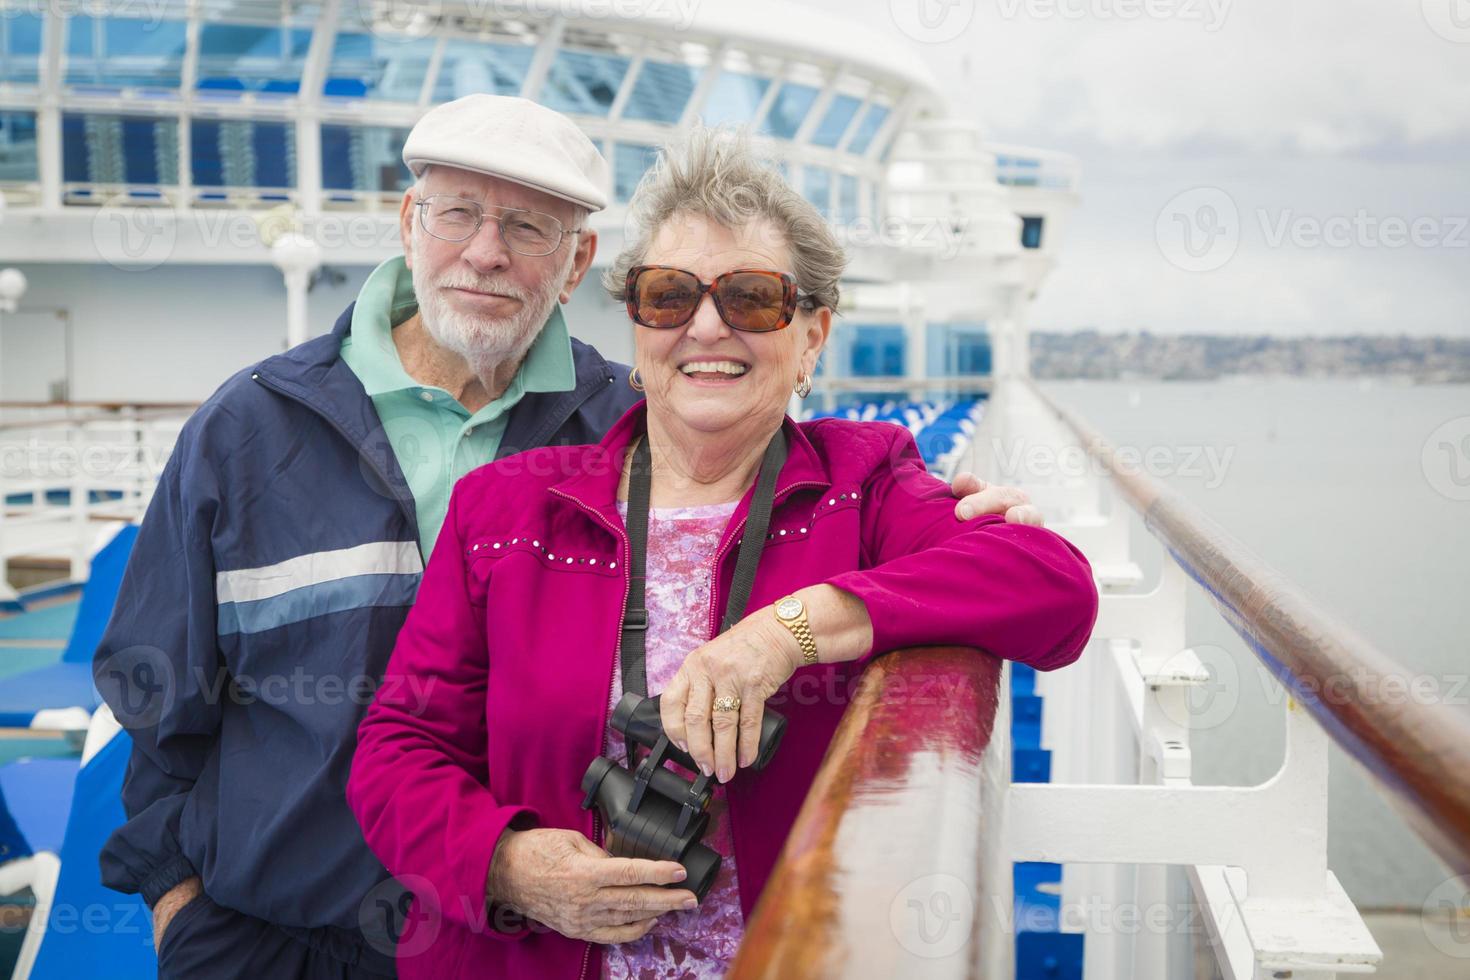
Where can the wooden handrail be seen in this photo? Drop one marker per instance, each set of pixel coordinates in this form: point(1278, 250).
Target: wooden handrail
point(1418, 752)
point(895, 818)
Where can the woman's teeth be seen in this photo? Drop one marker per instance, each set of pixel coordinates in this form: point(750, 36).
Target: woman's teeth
point(714, 367)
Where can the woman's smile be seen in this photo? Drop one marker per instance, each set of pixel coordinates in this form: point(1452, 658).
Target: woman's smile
point(711, 372)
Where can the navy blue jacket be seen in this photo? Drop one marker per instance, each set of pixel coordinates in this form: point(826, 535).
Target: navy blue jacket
point(275, 564)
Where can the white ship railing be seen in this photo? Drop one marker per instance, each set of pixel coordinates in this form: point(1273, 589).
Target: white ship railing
point(900, 863)
point(66, 467)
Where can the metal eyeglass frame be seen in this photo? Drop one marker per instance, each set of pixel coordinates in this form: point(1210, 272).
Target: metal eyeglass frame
point(499, 220)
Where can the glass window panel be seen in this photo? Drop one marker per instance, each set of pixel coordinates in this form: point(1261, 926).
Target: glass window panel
point(734, 98)
point(473, 66)
point(367, 66)
point(584, 83)
point(364, 158)
point(630, 162)
point(105, 149)
point(20, 47)
point(18, 147)
point(246, 58)
point(818, 188)
point(790, 107)
point(661, 92)
point(835, 120)
point(873, 120)
point(118, 52)
point(847, 199)
point(243, 153)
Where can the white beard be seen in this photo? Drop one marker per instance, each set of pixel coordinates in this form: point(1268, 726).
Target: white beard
point(485, 342)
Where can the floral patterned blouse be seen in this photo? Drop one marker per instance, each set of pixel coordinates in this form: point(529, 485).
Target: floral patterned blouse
point(700, 943)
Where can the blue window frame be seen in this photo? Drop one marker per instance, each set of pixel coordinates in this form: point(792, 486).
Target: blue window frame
point(236, 58)
point(1031, 228)
point(364, 158)
point(110, 149)
point(630, 162)
point(877, 352)
point(243, 153)
point(20, 48)
point(582, 83)
point(661, 92)
point(365, 66)
point(817, 186)
point(734, 98)
point(120, 52)
point(473, 66)
point(18, 160)
point(788, 109)
point(873, 121)
point(836, 120)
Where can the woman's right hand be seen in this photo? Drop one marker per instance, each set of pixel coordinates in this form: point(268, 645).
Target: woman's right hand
point(563, 880)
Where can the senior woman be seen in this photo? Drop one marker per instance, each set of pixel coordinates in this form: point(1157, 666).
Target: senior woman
point(470, 791)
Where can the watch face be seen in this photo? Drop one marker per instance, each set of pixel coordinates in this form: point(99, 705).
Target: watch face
point(789, 608)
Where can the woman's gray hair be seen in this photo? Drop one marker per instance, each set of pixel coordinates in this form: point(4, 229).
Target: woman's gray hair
point(715, 174)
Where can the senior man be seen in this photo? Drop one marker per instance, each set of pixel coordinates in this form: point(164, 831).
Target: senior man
point(284, 545)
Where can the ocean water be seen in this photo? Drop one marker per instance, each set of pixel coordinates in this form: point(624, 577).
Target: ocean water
point(1357, 491)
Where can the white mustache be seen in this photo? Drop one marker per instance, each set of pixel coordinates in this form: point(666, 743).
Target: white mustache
point(492, 285)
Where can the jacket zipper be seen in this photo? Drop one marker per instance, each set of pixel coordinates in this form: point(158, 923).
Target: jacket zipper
point(617, 653)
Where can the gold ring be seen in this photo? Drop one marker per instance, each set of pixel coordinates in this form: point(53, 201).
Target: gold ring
point(727, 703)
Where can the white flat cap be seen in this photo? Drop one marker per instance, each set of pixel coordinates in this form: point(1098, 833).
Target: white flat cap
point(514, 139)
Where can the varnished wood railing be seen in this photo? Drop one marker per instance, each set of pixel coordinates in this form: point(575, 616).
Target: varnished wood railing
point(882, 875)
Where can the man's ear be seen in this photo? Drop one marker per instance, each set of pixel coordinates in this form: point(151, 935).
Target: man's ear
point(581, 263)
point(406, 211)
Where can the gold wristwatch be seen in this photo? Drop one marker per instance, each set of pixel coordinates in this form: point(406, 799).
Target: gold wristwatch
point(791, 612)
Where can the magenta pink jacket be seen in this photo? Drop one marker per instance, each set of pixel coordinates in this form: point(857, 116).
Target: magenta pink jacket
point(496, 697)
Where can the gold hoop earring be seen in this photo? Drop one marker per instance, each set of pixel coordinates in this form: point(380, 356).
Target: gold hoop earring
point(803, 385)
point(635, 382)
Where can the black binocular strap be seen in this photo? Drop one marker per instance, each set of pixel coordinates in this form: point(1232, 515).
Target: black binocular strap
point(635, 615)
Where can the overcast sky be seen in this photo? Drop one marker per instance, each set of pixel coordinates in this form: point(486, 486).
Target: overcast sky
point(1317, 153)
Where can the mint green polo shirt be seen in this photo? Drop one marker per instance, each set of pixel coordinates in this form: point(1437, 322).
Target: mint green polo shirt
point(434, 437)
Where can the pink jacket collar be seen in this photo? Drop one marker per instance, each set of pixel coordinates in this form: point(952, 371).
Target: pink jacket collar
point(595, 486)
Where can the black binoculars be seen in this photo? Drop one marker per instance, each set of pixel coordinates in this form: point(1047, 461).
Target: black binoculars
point(667, 823)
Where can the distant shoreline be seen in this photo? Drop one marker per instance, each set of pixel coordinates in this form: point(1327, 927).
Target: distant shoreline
point(1091, 355)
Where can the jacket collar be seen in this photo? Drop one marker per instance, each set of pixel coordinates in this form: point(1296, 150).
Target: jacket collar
point(595, 484)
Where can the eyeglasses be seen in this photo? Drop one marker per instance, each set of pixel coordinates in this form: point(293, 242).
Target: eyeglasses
point(755, 300)
point(455, 219)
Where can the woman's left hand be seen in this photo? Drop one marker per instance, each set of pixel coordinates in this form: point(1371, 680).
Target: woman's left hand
point(749, 661)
